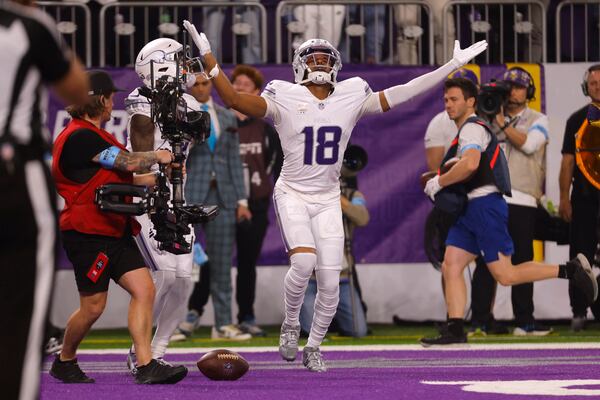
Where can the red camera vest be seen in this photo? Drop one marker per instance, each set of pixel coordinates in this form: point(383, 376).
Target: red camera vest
point(80, 212)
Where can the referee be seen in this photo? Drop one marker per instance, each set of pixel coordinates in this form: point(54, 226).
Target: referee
point(31, 55)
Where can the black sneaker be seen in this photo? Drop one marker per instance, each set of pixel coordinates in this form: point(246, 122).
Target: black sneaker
point(69, 371)
point(156, 372)
point(584, 279)
point(445, 338)
point(497, 328)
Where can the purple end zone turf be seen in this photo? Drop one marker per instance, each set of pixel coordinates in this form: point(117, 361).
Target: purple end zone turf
point(352, 375)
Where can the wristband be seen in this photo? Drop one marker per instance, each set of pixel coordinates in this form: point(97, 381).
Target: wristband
point(214, 72)
point(108, 157)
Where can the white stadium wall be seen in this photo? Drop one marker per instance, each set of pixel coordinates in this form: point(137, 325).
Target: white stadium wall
point(410, 291)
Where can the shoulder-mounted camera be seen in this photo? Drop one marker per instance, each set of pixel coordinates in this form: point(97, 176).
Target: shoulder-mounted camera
point(491, 98)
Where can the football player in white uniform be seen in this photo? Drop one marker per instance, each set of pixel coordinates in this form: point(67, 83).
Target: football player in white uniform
point(171, 273)
point(314, 119)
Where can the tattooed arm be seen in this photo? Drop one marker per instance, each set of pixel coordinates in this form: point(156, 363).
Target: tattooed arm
point(114, 158)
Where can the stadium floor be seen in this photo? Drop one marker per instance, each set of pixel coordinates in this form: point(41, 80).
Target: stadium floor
point(476, 373)
point(386, 365)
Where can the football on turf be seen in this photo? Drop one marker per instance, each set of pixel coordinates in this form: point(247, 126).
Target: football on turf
point(223, 365)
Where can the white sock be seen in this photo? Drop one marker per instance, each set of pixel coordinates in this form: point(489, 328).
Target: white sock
point(163, 281)
point(169, 313)
point(326, 302)
point(294, 285)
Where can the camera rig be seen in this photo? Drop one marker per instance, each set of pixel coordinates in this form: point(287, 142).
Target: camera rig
point(179, 127)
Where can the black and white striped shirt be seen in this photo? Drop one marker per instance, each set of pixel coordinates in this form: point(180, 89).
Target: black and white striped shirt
point(31, 54)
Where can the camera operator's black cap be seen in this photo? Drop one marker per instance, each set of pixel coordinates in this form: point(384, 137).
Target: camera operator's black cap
point(101, 84)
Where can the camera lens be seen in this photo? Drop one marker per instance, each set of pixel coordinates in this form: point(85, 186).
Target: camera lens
point(490, 104)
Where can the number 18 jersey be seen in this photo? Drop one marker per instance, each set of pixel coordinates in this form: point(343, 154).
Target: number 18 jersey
point(314, 133)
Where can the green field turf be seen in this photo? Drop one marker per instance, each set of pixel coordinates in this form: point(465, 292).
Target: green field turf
point(380, 334)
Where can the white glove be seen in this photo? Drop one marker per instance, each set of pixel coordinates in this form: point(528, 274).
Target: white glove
point(432, 187)
point(463, 56)
point(199, 38)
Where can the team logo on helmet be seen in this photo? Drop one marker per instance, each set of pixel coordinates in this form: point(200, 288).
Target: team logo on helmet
point(317, 61)
point(159, 58)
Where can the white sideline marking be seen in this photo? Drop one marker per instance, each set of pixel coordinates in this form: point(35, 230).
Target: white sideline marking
point(560, 388)
point(375, 347)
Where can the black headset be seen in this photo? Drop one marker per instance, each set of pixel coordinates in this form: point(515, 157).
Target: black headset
point(531, 87)
point(584, 87)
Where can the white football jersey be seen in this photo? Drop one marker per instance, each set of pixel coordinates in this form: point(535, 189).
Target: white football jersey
point(314, 133)
point(135, 103)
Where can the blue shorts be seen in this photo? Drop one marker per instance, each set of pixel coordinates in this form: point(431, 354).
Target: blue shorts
point(483, 228)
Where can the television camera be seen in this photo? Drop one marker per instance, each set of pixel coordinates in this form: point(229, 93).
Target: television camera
point(169, 214)
point(491, 98)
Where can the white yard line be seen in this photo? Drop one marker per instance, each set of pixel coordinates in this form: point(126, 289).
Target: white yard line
point(378, 347)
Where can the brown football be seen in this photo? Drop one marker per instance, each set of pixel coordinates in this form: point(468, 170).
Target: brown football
point(223, 365)
point(426, 176)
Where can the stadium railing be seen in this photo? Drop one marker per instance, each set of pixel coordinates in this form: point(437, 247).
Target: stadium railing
point(515, 29)
point(578, 30)
point(354, 28)
point(71, 17)
point(136, 23)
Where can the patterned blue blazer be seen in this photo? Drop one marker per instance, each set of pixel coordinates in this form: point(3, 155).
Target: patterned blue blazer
point(225, 164)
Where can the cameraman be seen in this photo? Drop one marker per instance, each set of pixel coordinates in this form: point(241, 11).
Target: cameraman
point(523, 135)
point(171, 273)
point(350, 314)
point(100, 244)
point(481, 227)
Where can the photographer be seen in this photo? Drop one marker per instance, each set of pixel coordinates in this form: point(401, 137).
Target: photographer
point(100, 244)
point(474, 187)
point(526, 137)
point(350, 315)
point(171, 273)
point(523, 135)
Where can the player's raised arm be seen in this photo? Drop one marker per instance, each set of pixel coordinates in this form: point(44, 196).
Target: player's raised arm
point(395, 95)
point(248, 104)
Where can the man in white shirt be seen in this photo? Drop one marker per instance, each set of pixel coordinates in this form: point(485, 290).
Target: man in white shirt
point(441, 130)
point(481, 228)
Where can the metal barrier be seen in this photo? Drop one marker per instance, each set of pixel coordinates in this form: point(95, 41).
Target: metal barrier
point(331, 16)
point(584, 14)
point(167, 17)
point(503, 24)
point(70, 16)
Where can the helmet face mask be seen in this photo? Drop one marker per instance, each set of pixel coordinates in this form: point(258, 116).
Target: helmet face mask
point(316, 61)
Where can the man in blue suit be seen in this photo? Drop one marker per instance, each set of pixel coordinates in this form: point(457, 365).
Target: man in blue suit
point(214, 176)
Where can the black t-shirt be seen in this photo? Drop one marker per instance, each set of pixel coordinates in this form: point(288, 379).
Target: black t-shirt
point(582, 188)
point(77, 154)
